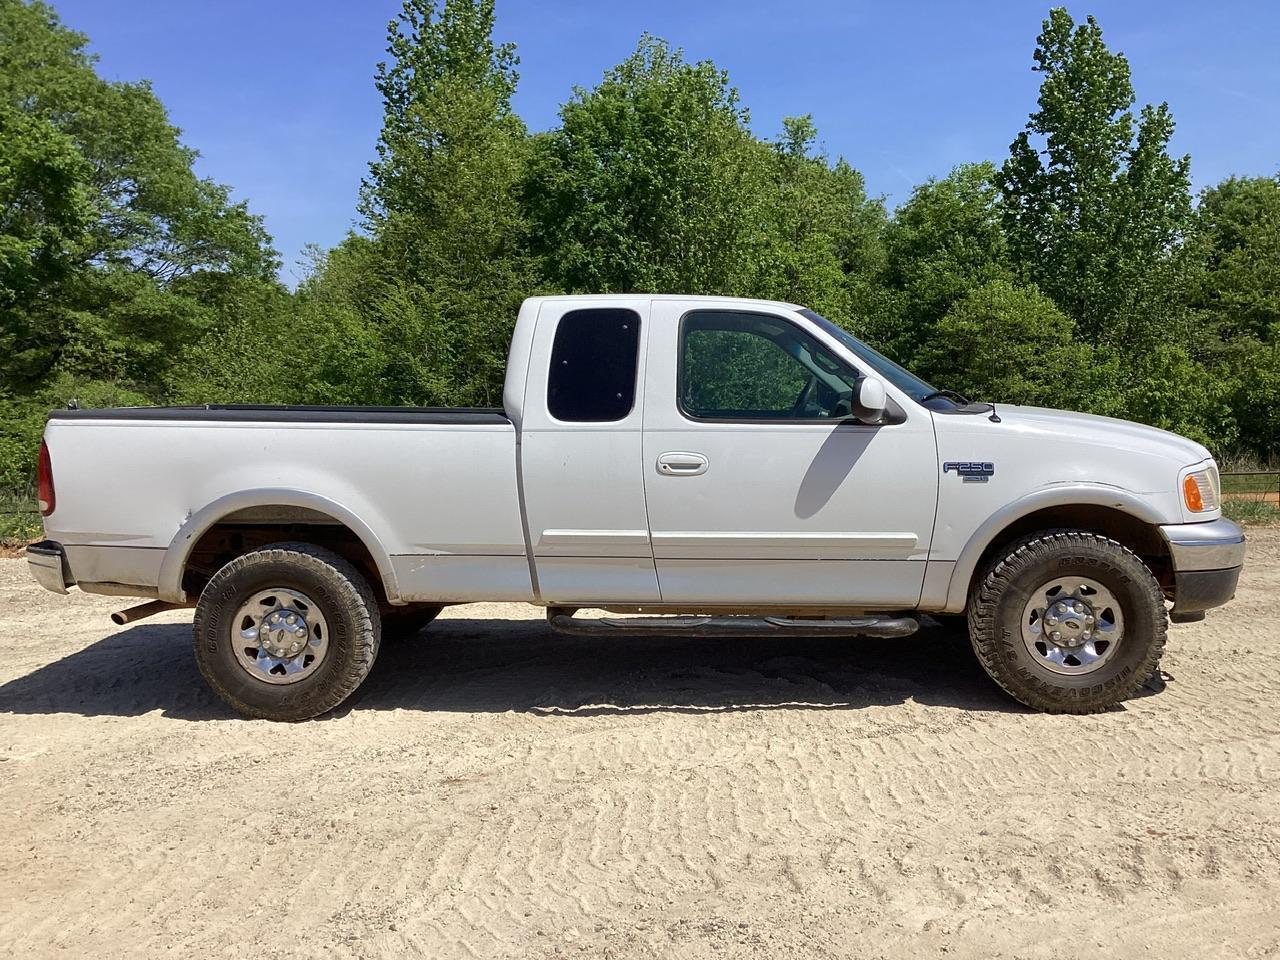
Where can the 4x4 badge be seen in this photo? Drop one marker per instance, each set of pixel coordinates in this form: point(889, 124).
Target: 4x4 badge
point(971, 471)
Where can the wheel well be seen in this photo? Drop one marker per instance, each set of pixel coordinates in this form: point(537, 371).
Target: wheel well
point(246, 530)
point(1126, 529)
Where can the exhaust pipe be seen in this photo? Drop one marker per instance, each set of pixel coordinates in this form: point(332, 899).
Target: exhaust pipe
point(148, 609)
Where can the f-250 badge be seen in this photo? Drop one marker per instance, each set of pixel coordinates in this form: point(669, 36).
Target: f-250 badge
point(971, 471)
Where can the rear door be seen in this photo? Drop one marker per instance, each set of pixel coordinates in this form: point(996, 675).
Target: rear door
point(580, 452)
point(761, 488)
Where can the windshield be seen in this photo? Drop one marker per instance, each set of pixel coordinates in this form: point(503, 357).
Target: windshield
point(900, 377)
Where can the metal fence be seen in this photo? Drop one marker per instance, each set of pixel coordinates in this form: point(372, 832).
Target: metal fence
point(1261, 486)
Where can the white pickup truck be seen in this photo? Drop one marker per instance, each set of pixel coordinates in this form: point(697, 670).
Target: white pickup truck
point(721, 466)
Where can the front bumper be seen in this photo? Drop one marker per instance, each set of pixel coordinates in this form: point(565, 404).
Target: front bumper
point(1207, 559)
point(47, 562)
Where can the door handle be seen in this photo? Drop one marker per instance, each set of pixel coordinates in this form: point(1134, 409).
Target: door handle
point(680, 464)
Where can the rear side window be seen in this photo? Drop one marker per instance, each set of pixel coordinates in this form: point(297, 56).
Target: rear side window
point(593, 366)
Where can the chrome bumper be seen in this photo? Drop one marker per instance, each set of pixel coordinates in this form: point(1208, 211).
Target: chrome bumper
point(47, 562)
point(1207, 559)
point(1212, 545)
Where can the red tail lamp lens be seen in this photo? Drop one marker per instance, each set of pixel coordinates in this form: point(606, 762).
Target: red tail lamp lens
point(44, 483)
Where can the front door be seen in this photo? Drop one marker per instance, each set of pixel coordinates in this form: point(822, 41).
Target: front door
point(761, 487)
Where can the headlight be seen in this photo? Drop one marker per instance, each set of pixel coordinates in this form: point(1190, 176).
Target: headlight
point(1200, 490)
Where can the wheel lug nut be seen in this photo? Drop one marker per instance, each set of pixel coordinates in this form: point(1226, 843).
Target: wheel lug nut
point(1057, 635)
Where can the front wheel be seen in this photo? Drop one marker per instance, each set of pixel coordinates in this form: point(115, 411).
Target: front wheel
point(287, 632)
point(1068, 621)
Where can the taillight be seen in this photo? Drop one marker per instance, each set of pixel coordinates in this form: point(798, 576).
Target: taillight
point(44, 482)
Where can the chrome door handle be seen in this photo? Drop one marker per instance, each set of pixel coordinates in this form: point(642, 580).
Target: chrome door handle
point(680, 464)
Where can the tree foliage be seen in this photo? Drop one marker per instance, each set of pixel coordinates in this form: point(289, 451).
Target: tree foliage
point(650, 183)
point(1012, 343)
point(1094, 206)
point(446, 266)
point(654, 182)
point(944, 242)
point(45, 207)
point(1239, 225)
point(824, 245)
point(112, 250)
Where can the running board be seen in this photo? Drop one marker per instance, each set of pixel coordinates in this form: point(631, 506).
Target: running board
point(731, 626)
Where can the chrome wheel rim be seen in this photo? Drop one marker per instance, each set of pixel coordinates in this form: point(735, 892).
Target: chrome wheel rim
point(1072, 625)
point(279, 636)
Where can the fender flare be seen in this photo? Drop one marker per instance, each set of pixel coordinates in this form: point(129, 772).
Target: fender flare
point(198, 523)
point(1073, 495)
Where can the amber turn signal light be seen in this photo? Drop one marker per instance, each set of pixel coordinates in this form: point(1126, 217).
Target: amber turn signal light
point(1191, 494)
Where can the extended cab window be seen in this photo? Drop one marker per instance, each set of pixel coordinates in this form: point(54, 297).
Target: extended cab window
point(593, 365)
point(752, 366)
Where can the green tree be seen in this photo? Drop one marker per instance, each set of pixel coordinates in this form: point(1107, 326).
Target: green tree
point(652, 183)
point(1077, 274)
point(823, 237)
point(144, 222)
point(1009, 343)
point(1094, 207)
point(1238, 296)
point(1166, 387)
point(44, 207)
point(1239, 225)
point(1252, 382)
point(44, 210)
point(943, 243)
point(152, 213)
point(447, 267)
point(113, 253)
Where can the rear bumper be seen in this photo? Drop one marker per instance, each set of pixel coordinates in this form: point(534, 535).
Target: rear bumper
point(47, 562)
point(1207, 560)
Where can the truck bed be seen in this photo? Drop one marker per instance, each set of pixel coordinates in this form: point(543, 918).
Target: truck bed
point(432, 492)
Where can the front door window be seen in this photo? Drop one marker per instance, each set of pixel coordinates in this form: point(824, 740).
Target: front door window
point(753, 367)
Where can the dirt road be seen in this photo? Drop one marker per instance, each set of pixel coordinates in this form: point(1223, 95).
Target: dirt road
point(501, 791)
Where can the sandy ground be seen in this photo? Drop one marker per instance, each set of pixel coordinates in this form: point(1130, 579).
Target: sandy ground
point(497, 790)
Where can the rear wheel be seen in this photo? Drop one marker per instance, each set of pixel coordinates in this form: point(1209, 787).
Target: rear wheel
point(1068, 621)
point(287, 632)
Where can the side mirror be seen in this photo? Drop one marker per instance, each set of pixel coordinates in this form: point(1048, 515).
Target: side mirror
point(872, 400)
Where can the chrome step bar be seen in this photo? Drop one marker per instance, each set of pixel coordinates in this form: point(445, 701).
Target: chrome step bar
point(562, 620)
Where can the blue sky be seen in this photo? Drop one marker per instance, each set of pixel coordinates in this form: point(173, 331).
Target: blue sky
point(277, 95)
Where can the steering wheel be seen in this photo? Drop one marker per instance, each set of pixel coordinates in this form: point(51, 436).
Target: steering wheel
point(802, 400)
